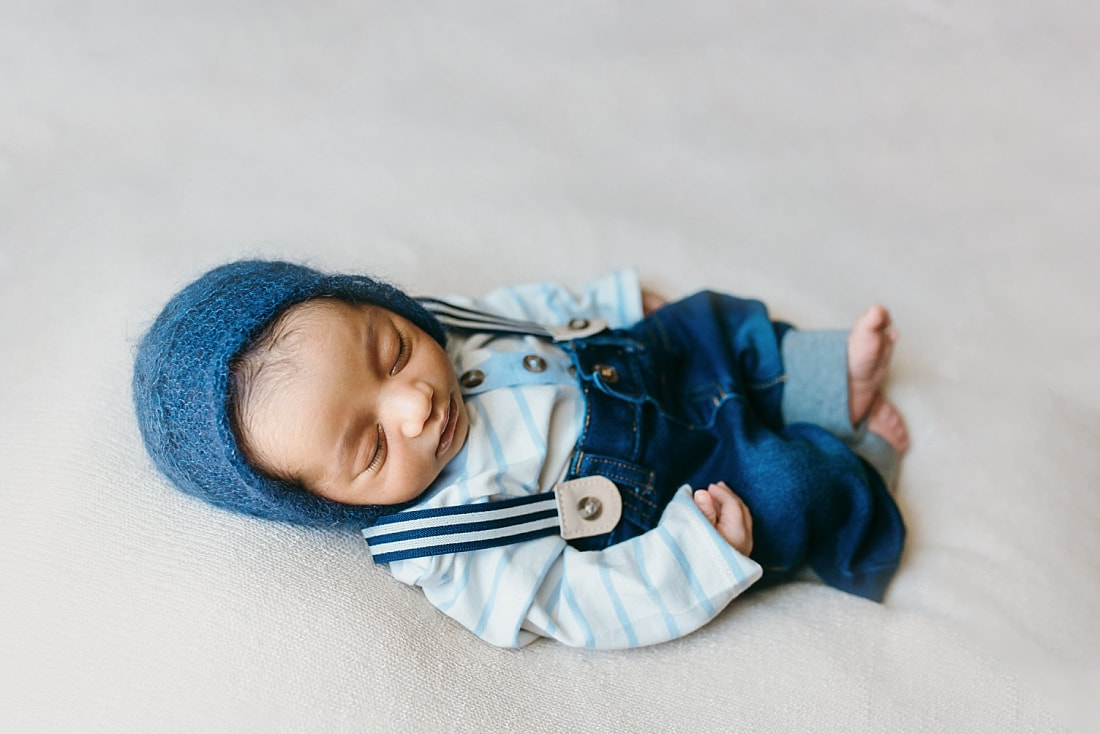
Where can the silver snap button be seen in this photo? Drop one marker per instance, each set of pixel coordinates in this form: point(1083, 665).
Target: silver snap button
point(609, 374)
point(534, 363)
point(471, 378)
point(589, 508)
point(578, 324)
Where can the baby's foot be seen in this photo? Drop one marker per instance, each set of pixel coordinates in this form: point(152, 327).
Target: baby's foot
point(870, 346)
point(885, 420)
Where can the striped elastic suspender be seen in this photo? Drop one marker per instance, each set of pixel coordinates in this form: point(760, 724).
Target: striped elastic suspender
point(461, 318)
point(438, 530)
point(467, 319)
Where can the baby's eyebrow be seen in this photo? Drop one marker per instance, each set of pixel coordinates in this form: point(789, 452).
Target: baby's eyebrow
point(370, 335)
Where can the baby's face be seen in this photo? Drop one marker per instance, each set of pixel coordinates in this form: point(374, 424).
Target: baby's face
point(370, 412)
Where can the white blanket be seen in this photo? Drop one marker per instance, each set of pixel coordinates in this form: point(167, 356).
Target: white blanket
point(942, 158)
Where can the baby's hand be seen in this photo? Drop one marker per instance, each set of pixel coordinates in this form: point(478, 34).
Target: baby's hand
point(728, 514)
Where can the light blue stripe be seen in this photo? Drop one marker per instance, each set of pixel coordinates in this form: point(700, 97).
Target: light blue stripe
point(498, 448)
point(550, 299)
point(732, 559)
point(460, 588)
point(552, 626)
point(617, 604)
point(689, 574)
point(567, 594)
point(555, 596)
point(463, 484)
point(620, 298)
point(655, 595)
point(518, 299)
point(529, 420)
point(490, 602)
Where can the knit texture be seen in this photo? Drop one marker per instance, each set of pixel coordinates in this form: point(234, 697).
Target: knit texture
point(181, 384)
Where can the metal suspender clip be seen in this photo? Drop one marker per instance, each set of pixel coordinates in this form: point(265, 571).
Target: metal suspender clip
point(588, 506)
point(579, 508)
point(576, 329)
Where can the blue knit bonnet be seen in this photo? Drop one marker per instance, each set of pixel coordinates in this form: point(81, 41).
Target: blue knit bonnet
point(181, 384)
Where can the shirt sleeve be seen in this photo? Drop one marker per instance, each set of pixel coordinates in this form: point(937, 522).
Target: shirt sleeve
point(658, 586)
point(616, 298)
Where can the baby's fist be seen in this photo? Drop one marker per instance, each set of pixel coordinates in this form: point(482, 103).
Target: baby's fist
point(728, 514)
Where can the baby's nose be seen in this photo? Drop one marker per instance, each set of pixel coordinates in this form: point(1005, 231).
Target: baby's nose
point(412, 406)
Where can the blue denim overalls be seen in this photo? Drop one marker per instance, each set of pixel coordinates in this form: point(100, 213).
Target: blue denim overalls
point(692, 395)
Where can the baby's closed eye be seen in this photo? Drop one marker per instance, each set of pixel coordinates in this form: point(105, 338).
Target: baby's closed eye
point(403, 353)
point(378, 458)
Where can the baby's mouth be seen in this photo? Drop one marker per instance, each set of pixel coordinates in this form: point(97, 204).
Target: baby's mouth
point(448, 433)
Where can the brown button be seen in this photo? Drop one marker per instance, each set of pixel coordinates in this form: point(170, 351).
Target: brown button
point(589, 508)
point(471, 378)
point(578, 324)
point(609, 374)
point(534, 363)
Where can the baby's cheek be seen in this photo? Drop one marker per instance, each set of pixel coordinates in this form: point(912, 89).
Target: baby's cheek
point(461, 435)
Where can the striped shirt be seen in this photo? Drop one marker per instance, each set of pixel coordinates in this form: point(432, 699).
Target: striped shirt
point(523, 427)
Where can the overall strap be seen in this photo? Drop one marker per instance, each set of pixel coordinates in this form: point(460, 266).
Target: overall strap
point(438, 530)
point(575, 509)
point(460, 318)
